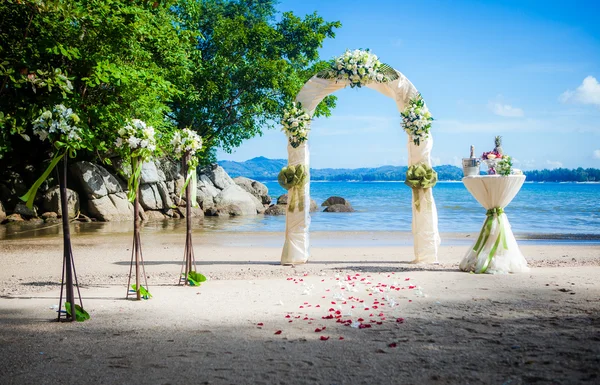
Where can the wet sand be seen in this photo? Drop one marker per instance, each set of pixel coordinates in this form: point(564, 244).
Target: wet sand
point(256, 322)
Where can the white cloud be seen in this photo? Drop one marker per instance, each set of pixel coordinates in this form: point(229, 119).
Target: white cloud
point(554, 164)
point(587, 93)
point(506, 110)
point(596, 154)
point(555, 124)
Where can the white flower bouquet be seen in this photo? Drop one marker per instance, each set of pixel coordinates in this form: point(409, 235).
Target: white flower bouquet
point(296, 124)
point(58, 126)
point(416, 119)
point(187, 142)
point(359, 67)
point(136, 142)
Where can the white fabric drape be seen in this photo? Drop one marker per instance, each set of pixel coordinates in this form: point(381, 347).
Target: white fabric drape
point(426, 238)
point(425, 221)
point(295, 249)
point(491, 192)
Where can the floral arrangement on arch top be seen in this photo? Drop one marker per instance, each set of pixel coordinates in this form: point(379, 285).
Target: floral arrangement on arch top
point(360, 67)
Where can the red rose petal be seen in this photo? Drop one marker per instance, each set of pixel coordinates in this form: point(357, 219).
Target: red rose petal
point(323, 338)
point(278, 332)
point(260, 324)
point(341, 338)
point(400, 320)
point(393, 345)
point(317, 330)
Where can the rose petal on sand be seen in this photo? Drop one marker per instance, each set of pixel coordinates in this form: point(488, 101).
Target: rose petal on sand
point(323, 338)
point(260, 324)
point(393, 345)
point(278, 332)
point(400, 320)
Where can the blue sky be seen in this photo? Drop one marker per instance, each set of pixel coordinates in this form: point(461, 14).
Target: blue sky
point(526, 70)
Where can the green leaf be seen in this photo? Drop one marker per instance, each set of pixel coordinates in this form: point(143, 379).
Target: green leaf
point(195, 278)
point(144, 293)
point(80, 314)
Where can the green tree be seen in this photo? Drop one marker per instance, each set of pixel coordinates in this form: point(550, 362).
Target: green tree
point(251, 61)
point(109, 60)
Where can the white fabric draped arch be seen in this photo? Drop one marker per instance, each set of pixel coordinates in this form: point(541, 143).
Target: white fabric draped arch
point(425, 220)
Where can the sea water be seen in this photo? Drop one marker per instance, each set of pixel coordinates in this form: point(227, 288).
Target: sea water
point(540, 208)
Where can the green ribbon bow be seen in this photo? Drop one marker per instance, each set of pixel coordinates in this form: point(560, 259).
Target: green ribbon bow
point(492, 214)
point(292, 178)
point(420, 177)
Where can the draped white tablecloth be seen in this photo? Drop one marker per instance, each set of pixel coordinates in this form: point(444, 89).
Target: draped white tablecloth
point(496, 249)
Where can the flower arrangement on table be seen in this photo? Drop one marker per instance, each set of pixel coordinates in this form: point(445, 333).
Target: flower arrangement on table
point(416, 119)
point(187, 143)
point(359, 67)
point(296, 124)
point(497, 162)
point(136, 142)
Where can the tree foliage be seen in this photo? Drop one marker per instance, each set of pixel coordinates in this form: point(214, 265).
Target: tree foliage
point(223, 68)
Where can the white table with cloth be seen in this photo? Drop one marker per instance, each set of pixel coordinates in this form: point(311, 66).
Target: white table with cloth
point(495, 250)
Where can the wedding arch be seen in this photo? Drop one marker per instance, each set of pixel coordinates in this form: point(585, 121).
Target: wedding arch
point(358, 69)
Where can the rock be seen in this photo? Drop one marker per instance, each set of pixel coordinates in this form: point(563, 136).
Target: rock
point(24, 211)
point(168, 170)
point(231, 210)
point(94, 180)
point(150, 198)
point(282, 199)
point(149, 173)
point(14, 218)
point(219, 177)
point(51, 201)
point(52, 221)
point(2, 212)
point(233, 195)
point(204, 200)
point(338, 208)
point(49, 215)
point(276, 210)
point(335, 201)
point(164, 194)
point(113, 207)
point(35, 221)
point(259, 190)
point(84, 218)
point(196, 212)
point(154, 215)
point(206, 185)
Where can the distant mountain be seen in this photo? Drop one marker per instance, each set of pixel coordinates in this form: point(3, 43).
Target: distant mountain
point(264, 169)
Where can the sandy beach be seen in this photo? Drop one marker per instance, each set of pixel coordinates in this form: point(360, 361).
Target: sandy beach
point(357, 313)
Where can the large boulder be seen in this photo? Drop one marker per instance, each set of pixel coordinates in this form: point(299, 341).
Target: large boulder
point(338, 208)
point(276, 210)
point(236, 196)
point(219, 177)
point(259, 190)
point(2, 212)
point(149, 173)
point(150, 198)
point(51, 201)
point(94, 180)
point(113, 207)
point(334, 200)
point(283, 200)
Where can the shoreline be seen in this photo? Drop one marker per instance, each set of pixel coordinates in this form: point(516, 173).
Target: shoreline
point(23, 231)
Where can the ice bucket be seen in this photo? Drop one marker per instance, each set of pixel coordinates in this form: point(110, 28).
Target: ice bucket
point(471, 166)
